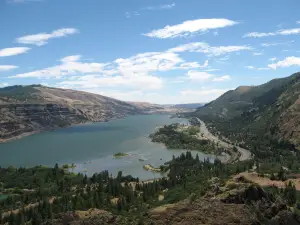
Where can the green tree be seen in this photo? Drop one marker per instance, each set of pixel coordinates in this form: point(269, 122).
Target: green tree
point(36, 219)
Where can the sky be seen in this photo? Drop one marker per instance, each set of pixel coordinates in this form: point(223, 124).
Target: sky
point(158, 51)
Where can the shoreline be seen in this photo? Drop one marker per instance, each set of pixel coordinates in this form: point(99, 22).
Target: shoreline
point(20, 136)
point(27, 134)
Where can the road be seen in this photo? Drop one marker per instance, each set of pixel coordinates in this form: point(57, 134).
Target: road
point(245, 154)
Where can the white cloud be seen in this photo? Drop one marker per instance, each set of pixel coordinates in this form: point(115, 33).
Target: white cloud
point(7, 67)
point(222, 78)
point(3, 84)
point(263, 68)
point(298, 22)
point(225, 58)
point(193, 65)
point(136, 81)
point(255, 68)
point(211, 70)
point(257, 53)
point(269, 44)
point(190, 27)
point(166, 6)
point(13, 51)
point(201, 95)
point(69, 65)
point(272, 59)
point(42, 38)
point(72, 58)
point(143, 63)
point(131, 14)
point(259, 35)
point(289, 31)
point(199, 76)
point(287, 62)
point(135, 72)
point(210, 50)
point(202, 76)
point(159, 7)
point(279, 32)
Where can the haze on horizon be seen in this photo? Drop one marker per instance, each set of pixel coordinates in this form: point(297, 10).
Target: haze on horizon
point(166, 52)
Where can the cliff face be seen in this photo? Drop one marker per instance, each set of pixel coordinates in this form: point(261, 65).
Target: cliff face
point(30, 109)
point(18, 119)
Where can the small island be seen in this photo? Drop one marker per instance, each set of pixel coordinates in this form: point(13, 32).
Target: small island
point(151, 168)
point(120, 154)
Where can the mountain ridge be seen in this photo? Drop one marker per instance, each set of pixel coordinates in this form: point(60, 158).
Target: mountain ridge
point(25, 110)
point(270, 109)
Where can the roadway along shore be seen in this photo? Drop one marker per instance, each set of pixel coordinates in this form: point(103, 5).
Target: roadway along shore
point(244, 153)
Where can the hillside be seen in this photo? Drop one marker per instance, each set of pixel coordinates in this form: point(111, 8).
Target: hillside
point(250, 113)
point(30, 109)
point(188, 105)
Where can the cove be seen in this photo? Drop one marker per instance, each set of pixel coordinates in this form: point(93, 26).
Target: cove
point(91, 147)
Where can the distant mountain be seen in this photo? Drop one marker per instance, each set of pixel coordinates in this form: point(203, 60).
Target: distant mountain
point(189, 105)
point(29, 109)
point(185, 106)
point(254, 112)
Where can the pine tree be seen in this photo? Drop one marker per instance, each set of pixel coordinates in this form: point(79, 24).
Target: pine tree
point(1, 217)
point(36, 218)
point(22, 218)
point(272, 177)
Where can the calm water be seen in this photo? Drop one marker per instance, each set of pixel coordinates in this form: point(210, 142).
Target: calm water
point(91, 147)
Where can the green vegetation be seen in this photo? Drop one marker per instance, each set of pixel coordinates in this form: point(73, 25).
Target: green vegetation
point(251, 118)
point(18, 92)
point(68, 166)
point(120, 154)
point(151, 168)
point(176, 137)
point(53, 190)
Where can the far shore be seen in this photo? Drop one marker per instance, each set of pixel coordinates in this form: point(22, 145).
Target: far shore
point(26, 134)
point(20, 136)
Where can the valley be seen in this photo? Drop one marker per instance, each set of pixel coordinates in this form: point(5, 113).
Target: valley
point(25, 110)
point(257, 180)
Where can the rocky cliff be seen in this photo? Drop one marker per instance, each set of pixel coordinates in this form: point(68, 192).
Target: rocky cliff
point(30, 109)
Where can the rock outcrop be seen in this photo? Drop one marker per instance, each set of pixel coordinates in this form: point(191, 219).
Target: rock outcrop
point(30, 109)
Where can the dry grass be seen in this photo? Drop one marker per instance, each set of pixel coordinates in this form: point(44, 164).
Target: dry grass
point(264, 181)
point(90, 213)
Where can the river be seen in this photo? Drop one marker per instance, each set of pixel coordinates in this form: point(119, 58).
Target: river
point(91, 147)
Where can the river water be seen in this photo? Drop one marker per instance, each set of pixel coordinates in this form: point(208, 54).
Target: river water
point(91, 147)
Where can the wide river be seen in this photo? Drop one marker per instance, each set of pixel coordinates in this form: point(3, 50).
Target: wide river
point(91, 147)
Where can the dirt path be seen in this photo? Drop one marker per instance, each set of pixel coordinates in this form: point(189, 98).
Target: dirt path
point(264, 181)
point(244, 153)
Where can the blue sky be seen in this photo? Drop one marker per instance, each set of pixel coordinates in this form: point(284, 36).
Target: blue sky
point(148, 50)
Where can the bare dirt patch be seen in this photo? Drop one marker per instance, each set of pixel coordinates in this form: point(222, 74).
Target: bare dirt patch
point(264, 181)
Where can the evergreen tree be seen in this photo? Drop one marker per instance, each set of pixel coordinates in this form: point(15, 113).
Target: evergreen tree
point(36, 218)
